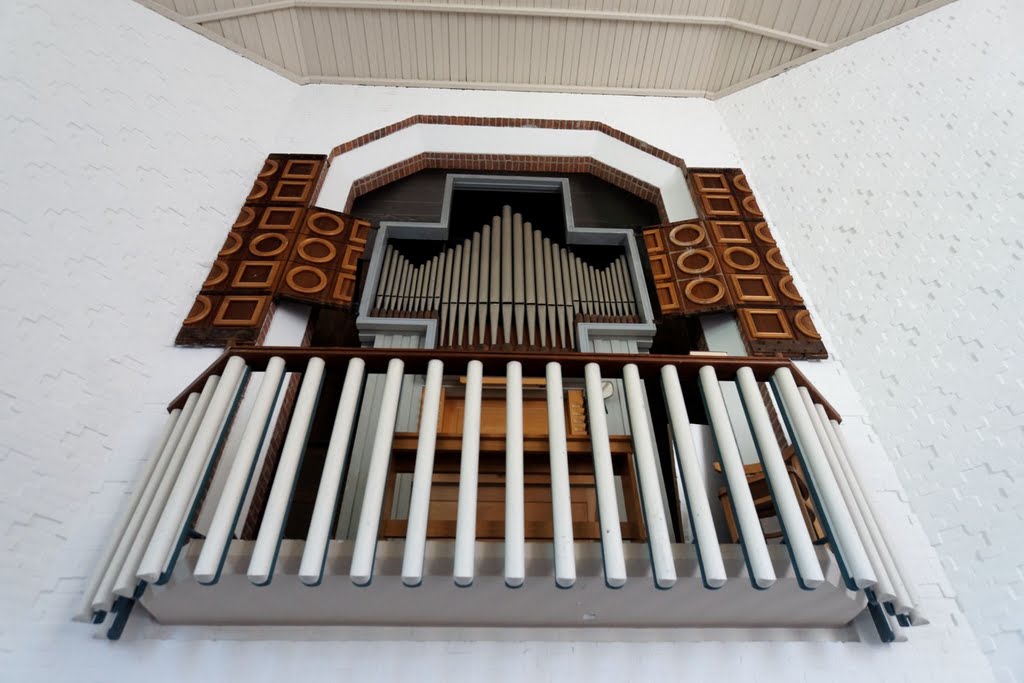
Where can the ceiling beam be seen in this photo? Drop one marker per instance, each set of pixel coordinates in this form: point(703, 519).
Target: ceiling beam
point(503, 10)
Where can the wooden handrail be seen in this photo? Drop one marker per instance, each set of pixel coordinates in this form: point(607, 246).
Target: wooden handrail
point(534, 362)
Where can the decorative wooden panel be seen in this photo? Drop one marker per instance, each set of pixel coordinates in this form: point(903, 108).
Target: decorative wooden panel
point(727, 260)
point(279, 246)
point(685, 268)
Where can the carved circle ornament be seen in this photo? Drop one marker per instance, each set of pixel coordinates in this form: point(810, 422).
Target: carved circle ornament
point(267, 246)
point(217, 275)
point(804, 323)
point(259, 190)
point(696, 261)
point(774, 257)
point(245, 217)
point(306, 279)
point(763, 234)
point(200, 309)
point(687, 235)
point(317, 250)
point(232, 244)
point(788, 289)
point(325, 224)
point(741, 258)
point(740, 181)
point(270, 167)
point(705, 291)
point(750, 204)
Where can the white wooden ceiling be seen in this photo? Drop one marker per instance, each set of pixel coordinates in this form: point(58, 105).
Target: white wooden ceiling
point(697, 48)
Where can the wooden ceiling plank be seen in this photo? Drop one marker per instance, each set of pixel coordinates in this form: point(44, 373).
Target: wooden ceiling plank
point(327, 43)
point(287, 33)
point(230, 28)
point(251, 37)
point(823, 14)
point(369, 27)
point(687, 59)
point(649, 62)
point(315, 49)
point(440, 47)
point(268, 35)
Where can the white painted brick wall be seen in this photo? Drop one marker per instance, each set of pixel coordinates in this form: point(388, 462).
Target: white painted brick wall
point(129, 144)
point(893, 172)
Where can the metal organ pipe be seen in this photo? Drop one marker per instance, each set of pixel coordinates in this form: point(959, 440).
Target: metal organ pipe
point(506, 284)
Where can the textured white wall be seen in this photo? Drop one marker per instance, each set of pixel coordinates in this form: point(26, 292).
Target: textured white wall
point(892, 170)
point(129, 144)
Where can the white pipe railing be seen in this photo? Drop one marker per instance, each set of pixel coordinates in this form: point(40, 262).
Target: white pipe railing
point(127, 578)
point(169, 530)
point(99, 593)
point(662, 562)
point(604, 481)
point(149, 535)
point(218, 537)
point(515, 522)
point(849, 547)
point(268, 540)
point(317, 539)
point(419, 502)
point(762, 573)
point(376, 479)
point(709, 553)
point(798, 539)
point(561, 502)
point(883, 588)
point(907, 599)
point(465, 523)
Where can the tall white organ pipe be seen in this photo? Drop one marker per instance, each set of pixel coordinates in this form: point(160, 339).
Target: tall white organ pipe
point(650, 485)
point(529, 284)
point(376, 479)
point(909, 599)
point(549, 287)
point(751, 536)
point(515, 523)
point(798, 540)
point(708, 551)
point(604, 480)
point(850, 549)
point(542, 291)
point(506, 272)
point(495, 293)
point(101, 585)
point(483, 296)
point(474, 289)
point(268, 540)
point(218, 537)
point(467, 256)
point(127, 578)
point(170, 527)
point(882, 588)
point(465, 523)
point(888, 577)
point(314, 553)
point(518, 284)
point(419, 502)
point(561, 504)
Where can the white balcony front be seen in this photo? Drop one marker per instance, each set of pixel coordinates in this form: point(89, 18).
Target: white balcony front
point(518, 491)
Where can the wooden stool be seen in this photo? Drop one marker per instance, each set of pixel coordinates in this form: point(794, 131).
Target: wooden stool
point(760, 491)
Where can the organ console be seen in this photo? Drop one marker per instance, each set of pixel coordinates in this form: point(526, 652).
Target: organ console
point(506, 285)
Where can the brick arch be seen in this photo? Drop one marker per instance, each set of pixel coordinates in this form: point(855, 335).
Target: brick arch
point(524, 163)
point(495, 122)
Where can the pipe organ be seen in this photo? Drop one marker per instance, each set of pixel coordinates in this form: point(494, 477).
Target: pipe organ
point(506, 285)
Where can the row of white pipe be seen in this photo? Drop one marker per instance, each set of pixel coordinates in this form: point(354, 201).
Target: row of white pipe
point(152, 530)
